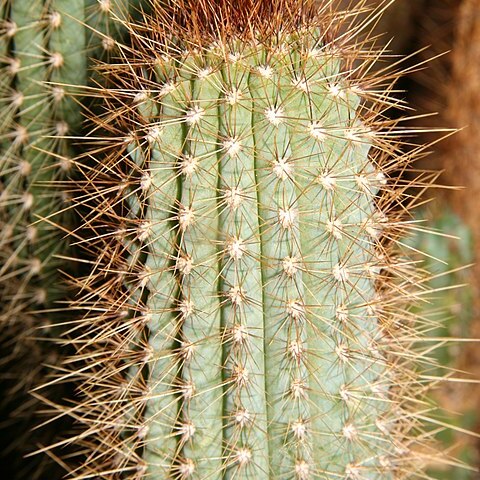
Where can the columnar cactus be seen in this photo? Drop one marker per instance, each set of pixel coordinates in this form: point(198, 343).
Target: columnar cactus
point(245, 313)
point(42, 58)
point(245, 307)
point(45, 50)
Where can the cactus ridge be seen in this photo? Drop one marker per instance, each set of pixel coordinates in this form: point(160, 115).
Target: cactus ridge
point(246, 305)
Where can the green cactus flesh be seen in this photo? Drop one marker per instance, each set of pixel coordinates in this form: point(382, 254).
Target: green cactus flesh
point(250, 238)
point(46, 60)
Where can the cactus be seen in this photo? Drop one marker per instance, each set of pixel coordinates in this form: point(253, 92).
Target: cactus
point(246, 308)
point(45, 51)
point(247, 305)
point(43, 57)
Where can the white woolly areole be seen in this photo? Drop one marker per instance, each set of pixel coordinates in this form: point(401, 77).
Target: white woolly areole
point(341, 313)
point(154, 133)
point(186, 468)
point(240, 375)
point(342, 352)
point(345, 394)
point(144, 276)
point(142, 431)
point(286, 217)
point(265, 71)
point(233, 197)
point(282, 168)
point(20, 135)
point(186, 217)
point(290, 265)
point(334, 228)
point(58, 93)
point(301, 84)
point(184, 264)
point(105, 5)
point(340, 273)
point(354, 134)
point(242, 417)
point(189, 165)
point(204, 72)
point(24, 168)
point(350, 432)
point(232, 146)
point(243, 455)
point(27, 201)
point(381, 178)
point(140, 97)
point(236, 294)
point(336, 91)
point(61, 128)
point(17, 99)
point(35, 266)
point(299, 429)
point(239, 334)
point(108, 43)
point(298, 389)
point(11, 28)
point(302, 470)
point(186, 430)
point(145, 181)
point(234, 96)
point(187, 350)
point(236, 248)
point(363, 182)
point(167, 88)
point(56, 60)
point(353, 472)
point(14, 65)
point(31, 233)
point(317, 131)
point(194, 115)
point(296, 350)
point(274, 115)
point(295, 309)
point(186, 308)
point(327, 181)
point(234, 57)
point(143, 230)
point(187, 390)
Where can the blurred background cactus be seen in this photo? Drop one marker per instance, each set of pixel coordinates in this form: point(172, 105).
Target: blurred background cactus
point(447, 311)
point(164, 271)
point(46, 49)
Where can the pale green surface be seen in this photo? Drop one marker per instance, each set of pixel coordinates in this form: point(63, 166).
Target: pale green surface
point(274, 308)
point(162, 410)
point(69, 39)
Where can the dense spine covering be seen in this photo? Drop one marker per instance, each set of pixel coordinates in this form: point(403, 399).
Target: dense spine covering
point(246, 311)
point(43, 63)
point(42, 60)
point(247, 304)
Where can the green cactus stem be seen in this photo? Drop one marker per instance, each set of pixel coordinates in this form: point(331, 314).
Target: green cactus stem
point(246, 307)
